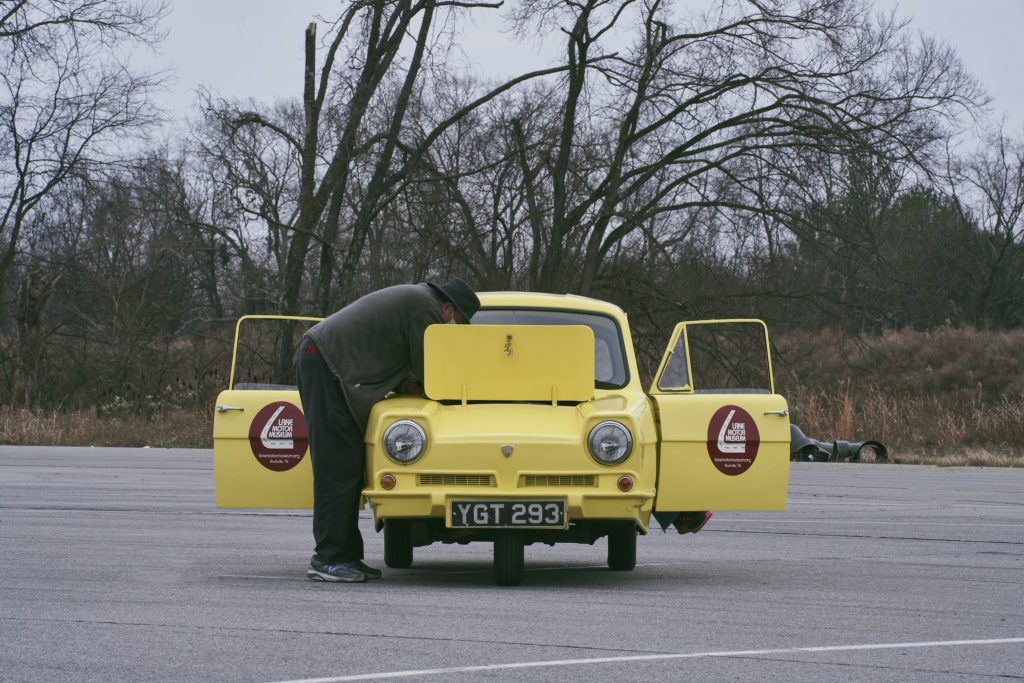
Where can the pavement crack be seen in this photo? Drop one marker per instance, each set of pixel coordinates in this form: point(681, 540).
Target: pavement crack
point(346, 634)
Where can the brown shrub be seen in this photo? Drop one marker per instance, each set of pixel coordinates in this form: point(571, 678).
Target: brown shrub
point(962, 364)
point(939, 392)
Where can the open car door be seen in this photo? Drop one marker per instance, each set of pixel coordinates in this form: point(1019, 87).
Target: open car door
point(260, 441)
point(724, 432)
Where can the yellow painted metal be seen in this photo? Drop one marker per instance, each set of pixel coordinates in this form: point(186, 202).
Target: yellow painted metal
point(240, 480)
point(687, 476)
point(540, 300)
point(574, 302)
point(543, 440)
point(509, 362)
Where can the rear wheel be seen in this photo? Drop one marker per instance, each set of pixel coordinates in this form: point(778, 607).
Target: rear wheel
point(397, 544)
point(622, 548)
point(508, 559)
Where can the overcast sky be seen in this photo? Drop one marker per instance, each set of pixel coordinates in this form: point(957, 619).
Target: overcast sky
point(253, 48)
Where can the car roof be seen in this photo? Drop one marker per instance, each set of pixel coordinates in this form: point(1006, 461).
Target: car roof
point(565, 302)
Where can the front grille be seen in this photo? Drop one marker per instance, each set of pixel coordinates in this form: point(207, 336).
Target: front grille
point(559, 480)
point(455, 480)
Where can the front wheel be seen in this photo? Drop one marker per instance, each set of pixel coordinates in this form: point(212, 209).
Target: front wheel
point(397, 544)
point(508, 559)
point(622, 548)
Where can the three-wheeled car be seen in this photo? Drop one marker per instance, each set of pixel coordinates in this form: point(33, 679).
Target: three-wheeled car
point(535, 429)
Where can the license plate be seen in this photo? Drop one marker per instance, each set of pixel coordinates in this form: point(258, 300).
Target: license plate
point(503, 514)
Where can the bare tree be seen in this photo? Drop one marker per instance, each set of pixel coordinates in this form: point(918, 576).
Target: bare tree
point(713, 110)
point(32, 295)
point(466, 199)
point(133, 283)
point(35, 22)
point(248, 178)
point(65, 99)
point(374, 61)
point(991, 179)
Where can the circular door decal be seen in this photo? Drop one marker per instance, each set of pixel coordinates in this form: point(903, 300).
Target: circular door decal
point(733, 440)
point(278, 436)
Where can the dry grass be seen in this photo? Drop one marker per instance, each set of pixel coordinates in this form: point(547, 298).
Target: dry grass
point(979, 457)
point(945, 397)
point(171, 428)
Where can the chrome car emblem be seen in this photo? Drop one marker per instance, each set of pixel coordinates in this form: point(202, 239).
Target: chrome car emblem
point(506, 451)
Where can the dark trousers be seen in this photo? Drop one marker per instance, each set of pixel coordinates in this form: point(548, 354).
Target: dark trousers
point(338, 453)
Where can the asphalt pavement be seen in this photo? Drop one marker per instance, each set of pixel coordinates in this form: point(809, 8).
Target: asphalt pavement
point(115, 565)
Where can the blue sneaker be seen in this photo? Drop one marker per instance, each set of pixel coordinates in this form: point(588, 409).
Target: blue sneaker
point(371, 572)
point(347, 572)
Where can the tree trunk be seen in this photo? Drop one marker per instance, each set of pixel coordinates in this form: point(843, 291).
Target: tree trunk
point(33, 293)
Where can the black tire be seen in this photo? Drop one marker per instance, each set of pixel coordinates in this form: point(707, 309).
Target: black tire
point(622, 548)
point(397, 544)
point(508, 559)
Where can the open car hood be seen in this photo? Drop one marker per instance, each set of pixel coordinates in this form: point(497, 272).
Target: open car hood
point(509, 362)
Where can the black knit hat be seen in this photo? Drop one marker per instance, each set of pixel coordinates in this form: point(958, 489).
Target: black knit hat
point(460, 295)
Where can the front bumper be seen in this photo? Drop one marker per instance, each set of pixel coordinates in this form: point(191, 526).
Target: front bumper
point(633, 506)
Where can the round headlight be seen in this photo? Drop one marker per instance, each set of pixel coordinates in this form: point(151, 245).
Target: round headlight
point(610, 443)
point(404, 441)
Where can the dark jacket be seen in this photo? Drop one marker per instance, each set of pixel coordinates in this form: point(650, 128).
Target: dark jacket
point(375, 344)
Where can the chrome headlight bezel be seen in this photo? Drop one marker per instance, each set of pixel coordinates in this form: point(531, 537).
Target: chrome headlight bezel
point(393, 448)
point(598, 441)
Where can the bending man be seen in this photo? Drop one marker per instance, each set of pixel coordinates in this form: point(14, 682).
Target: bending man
point(346, 363)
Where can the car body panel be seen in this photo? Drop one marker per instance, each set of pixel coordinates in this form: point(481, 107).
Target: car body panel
point(696, 466)
point(509, 362)
point(254, 465)
point(723, 447)
point(517, 451)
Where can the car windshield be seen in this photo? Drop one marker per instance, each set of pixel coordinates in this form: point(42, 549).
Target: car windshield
point(610, 370)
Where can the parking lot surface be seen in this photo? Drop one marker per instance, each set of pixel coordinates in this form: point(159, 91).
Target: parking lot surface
point(115, 565)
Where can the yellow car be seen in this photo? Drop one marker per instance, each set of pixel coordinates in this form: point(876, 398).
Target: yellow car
point(535, 429)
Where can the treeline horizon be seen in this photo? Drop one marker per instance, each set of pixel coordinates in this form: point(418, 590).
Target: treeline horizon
point(792, 161)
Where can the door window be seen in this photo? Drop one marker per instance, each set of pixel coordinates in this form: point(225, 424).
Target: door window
point(676, 376)
point(729, 357)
